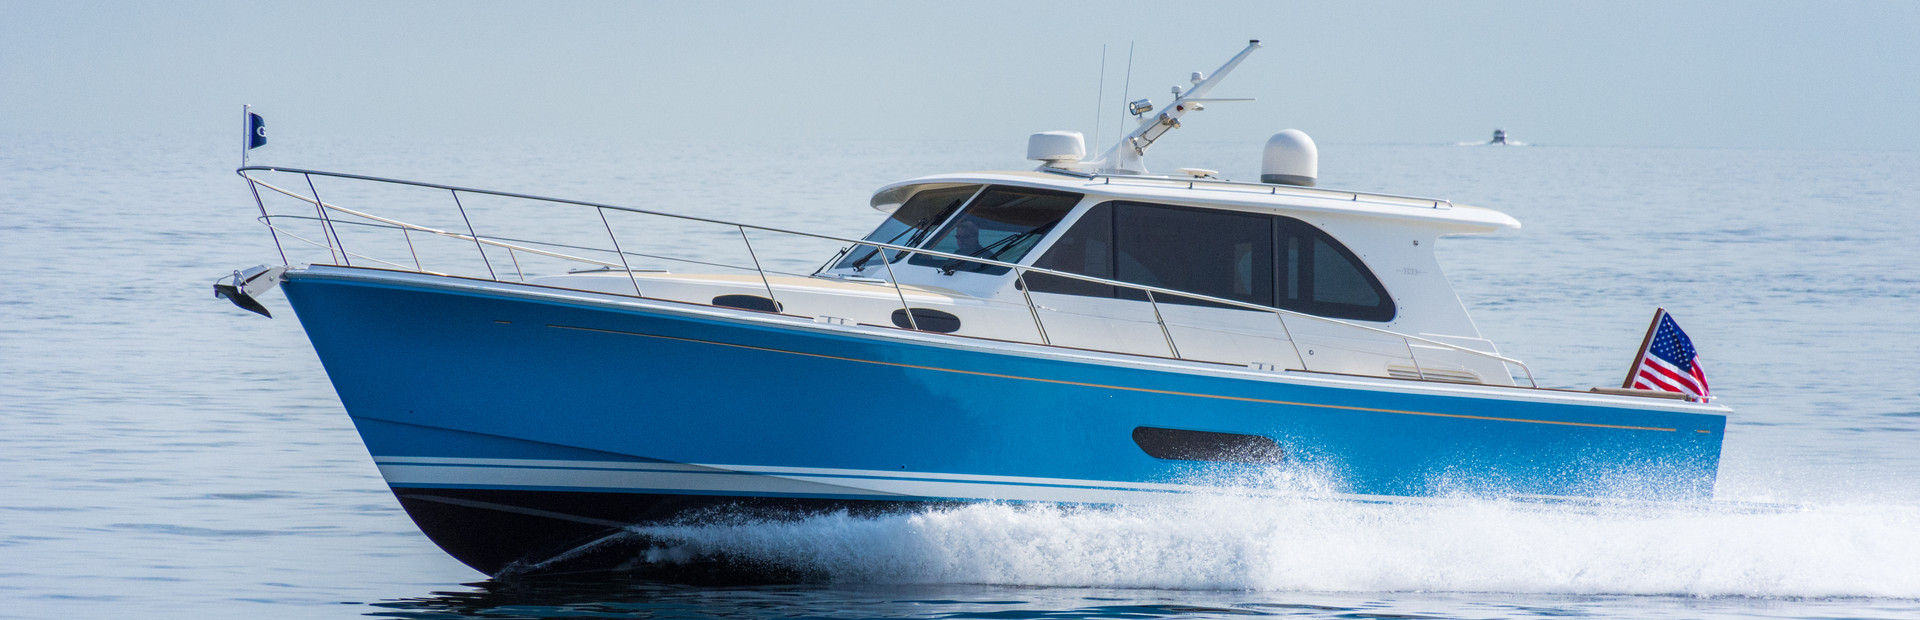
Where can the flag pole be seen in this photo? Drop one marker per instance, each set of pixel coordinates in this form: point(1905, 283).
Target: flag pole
point(1634, 370)
point(246, 132)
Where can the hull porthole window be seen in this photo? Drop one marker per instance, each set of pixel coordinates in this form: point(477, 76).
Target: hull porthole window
point(1175, 444)
point(747, 302)
point(927, 319)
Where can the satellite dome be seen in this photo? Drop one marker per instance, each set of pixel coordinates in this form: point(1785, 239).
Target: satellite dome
point(1290, 159)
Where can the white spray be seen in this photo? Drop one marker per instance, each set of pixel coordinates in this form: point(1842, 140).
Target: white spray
point(1231, 541)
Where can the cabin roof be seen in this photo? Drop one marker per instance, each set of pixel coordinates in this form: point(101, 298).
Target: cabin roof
point(1214, 192)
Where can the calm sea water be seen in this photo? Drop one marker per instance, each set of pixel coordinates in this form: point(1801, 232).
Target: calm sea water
point(163, 454)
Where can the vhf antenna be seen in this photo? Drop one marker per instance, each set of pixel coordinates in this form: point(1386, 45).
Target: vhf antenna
point(1124, 156)
point(1100, 101)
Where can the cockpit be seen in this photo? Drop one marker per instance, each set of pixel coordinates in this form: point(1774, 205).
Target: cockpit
point(1252, 257)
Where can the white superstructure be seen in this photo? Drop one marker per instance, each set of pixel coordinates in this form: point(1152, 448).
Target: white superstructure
point(1283, 275)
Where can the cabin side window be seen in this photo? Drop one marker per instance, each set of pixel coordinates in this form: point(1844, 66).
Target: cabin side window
point(1002, 224)
point(909, 224)
point(1259, 259)
point(1086, 249)
point(1223, 254)
point(1321, 276)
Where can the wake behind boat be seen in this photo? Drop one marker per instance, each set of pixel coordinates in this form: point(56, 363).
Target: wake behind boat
point(1083, 333)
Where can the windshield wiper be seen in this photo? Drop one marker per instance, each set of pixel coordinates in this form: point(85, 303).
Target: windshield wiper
point(917, 226)
point(1003, 244)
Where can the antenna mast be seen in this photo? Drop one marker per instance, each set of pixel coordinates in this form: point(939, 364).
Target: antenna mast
point(1124, 156)
point(1100, 101)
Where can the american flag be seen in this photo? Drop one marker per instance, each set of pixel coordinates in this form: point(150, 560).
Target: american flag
point(1669, 363)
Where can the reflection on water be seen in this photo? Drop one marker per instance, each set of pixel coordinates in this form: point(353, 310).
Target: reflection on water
point(621, 598)
point(576, 598)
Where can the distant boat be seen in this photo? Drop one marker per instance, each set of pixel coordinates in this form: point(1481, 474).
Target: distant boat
point(1499, 139)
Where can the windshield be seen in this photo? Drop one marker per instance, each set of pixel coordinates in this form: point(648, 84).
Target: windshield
point(1003, 224)
point(909, 224)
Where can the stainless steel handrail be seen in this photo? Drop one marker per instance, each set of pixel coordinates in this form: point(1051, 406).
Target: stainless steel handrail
point(425, 229)
point(1019, 270)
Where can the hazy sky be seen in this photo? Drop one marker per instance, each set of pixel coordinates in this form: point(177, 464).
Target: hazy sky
point(1820, 75)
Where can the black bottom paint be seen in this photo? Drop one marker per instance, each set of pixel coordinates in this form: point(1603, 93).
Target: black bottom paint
point(513, 533)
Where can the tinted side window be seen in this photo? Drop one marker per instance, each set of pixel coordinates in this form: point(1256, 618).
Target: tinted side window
point(1320, 276)
point(1215, 253)
point(1086, 249)
point(910, 223)
point(1260, 259)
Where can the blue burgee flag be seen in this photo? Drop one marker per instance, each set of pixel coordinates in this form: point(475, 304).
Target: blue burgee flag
point(256, 131)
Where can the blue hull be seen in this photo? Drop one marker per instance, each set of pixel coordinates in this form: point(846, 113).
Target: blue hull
point(514, 421)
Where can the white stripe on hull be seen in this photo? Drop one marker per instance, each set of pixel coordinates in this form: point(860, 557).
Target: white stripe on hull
point(602, 476)
point(755, 480)
point(759, 480)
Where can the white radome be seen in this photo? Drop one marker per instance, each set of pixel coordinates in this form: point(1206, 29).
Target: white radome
point(1056, 147)
point(1290, 159)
